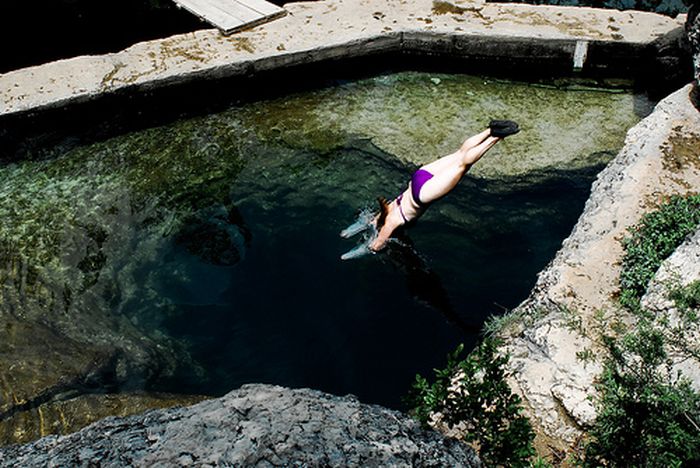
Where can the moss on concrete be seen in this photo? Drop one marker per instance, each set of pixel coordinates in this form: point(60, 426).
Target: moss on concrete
point(682, 151)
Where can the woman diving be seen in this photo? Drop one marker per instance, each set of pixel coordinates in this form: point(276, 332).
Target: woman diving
point(428, 184)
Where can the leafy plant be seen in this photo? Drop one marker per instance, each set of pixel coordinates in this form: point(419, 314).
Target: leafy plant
point(496, 324)
point(585, 356)
point(540, 462)
point(472, 395)
point(646, 417)
point(687, 300)
point(651, 241)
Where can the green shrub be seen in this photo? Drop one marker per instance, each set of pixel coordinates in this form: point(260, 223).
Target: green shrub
point(646, 417)
point(687, 300)
point(653, 240)
point(482, 405)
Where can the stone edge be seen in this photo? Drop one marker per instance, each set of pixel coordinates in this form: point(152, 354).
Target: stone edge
point(508, 43)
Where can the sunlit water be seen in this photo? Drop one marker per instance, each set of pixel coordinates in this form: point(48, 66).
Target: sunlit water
point(207, 252)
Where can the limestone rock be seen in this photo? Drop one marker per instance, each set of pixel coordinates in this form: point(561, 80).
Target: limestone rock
point(555, 345)
point(256, 425)
point(692, 27)
point(680, 269)
point(314, 31)
point(671, 63)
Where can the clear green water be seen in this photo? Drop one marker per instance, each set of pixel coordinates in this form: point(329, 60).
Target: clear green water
point(205, 254)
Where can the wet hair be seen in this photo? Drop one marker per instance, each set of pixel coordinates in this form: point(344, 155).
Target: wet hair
point(383, 212)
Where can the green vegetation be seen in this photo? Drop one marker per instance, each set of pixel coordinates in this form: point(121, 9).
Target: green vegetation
point(649, 415)
point(687, 300)
point(653, 240)
point(471, 394)
point(646, 415)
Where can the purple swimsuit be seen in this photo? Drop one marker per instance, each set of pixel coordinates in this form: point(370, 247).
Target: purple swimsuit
point(420, 177)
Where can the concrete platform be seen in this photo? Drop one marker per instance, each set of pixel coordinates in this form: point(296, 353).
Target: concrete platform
point(331, 29)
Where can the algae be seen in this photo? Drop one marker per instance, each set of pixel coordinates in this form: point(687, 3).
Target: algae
point(243, 44)
point(63, 417)
point(443, 8)
point(681, 152)
point(107, 80)
point(415, 119)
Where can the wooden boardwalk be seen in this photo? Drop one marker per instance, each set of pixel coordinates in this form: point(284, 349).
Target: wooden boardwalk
point(233, 15)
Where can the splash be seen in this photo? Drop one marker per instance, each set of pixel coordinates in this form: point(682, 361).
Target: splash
point(364, 224)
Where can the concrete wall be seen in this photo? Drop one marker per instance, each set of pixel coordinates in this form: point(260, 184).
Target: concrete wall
point(507, 36)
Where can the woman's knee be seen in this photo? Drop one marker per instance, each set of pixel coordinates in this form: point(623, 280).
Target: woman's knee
point(470, 156)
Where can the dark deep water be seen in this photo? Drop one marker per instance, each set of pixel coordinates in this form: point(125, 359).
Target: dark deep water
point(291, 313)
point(203, 254)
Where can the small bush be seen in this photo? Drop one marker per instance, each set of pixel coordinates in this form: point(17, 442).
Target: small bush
point(650, 242)
point(472, 394)
point(687, 300)
point(645, 416)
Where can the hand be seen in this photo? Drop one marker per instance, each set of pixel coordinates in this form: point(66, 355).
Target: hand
point(377, 244)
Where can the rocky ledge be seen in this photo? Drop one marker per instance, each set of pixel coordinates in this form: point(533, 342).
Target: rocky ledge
point(692, 27)
point(575, 296)
point(257, 425)
point(568, 37)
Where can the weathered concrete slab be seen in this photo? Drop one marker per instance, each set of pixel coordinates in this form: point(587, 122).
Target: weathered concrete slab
point(316, 31)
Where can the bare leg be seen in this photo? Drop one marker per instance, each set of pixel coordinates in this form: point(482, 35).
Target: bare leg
point(447, 177)
point(450, 160)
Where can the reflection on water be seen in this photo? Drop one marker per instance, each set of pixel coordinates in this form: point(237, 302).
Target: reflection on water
point(198, 256)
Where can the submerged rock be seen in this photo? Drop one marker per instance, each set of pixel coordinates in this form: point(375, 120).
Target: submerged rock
point(73, 242)
point(64, 416)
point(412, 117)
point(107, 244)
point(257, 425)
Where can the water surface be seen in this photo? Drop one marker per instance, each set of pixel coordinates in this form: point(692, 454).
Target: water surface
point(204, 254)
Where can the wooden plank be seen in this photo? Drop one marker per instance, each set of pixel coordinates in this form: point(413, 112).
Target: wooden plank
point(263, 19)
point(236, 9)
point(261, 6)
point(215, 16)
point(233, 15)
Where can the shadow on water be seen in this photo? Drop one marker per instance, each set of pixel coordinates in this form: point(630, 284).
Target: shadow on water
point(422, 282)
